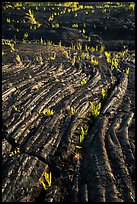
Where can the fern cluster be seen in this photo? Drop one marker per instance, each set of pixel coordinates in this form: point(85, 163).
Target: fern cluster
point(95, 109)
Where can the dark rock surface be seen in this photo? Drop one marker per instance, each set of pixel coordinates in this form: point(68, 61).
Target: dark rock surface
point(39, 76)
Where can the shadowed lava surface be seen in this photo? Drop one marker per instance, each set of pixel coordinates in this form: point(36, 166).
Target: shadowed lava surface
point(65, 79)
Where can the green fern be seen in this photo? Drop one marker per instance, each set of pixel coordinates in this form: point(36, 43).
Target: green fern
point(95, 110)
point(47, 181)
point(48, 112)
point(103, 93)
point(83, 134)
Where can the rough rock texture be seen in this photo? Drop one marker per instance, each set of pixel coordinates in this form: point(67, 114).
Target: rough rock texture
point(66, 80)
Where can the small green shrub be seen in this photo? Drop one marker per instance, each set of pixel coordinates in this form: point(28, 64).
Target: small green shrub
point(18, 59)
point(132, 6)
point(103, 93)
point(94, 62)
point(15, 108)
point(30, 16)
point(126, 71)
point(26, 35)
point(48, 112)
point(83, 82)
point(83, 134)
point(47, 181)
point(95, 110)
point(8, 20)
point(72, 111)
point(15, 151)
point(108, 56)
